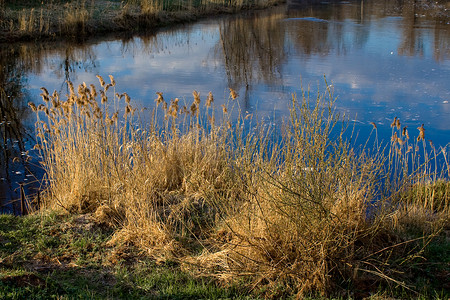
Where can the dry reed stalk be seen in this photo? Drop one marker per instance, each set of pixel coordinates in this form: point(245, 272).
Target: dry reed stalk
point(293, 212)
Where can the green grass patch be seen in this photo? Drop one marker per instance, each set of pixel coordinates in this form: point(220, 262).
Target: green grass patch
point(54, 256)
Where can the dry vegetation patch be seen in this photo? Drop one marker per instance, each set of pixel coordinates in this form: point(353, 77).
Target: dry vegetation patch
point(303, 215)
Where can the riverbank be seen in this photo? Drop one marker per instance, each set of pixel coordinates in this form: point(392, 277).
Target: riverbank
point(278, 212)
point(51, 255)
point(79, 19)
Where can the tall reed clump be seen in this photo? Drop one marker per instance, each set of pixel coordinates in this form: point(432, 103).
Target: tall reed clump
point(294, 212)
point(149, 179)
point(417, 190)
point(304, 218)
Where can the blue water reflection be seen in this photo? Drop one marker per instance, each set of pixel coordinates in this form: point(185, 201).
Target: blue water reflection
point(381, 61)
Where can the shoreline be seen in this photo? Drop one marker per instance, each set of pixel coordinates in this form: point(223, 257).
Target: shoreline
point(63, 23)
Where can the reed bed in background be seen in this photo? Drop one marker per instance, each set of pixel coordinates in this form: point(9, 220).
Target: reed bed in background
point(304, 213)
point(81, 18)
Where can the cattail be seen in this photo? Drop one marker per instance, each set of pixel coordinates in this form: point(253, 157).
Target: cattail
point(404, 131)
point(394, 123)
point(398, 124)
point(233, 94)
point(113, 82)
point(209, 100)
point(374, 125)
point(196, 97)
point(224, 109)
point(421, 133)
point(160, 98)
point(100, 79)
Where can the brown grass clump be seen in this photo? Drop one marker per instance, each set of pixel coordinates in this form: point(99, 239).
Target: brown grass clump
point(308, 213)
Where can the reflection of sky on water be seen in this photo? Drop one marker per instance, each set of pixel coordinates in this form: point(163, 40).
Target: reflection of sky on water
point(374, 74)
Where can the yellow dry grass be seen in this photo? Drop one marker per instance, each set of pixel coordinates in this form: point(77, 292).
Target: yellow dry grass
point(306, 212)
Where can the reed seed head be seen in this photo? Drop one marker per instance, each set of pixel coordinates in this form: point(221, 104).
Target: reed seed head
point(108, 86)
point(33, 106)
point(209, 99)
point(374, 125)
point(160, 98)
point(104, 98)
point(71, 88)
point(196, 97)
point(421, 133)
point(394, 123)
point(113, 82)
point(233, 94)
point(127, 98)
point(115, 116)
point(194, 109)
point(100, 79)
point(44, 91)
point(394, 138)
point(93, 91)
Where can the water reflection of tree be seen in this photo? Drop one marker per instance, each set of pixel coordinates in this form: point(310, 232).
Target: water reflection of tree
point(13, 110)
point(329, 31)
point(317, 37)
point(17, 61)
point(252, 49)
point(413, 39)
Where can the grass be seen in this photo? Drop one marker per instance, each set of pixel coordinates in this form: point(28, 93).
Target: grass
point(78, 19)
point(289, 213)
point(50, 255)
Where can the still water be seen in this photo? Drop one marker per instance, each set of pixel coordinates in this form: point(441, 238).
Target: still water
point(384, 59)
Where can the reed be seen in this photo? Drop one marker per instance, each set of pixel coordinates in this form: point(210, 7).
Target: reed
point(80, 18)
point(308, 212)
